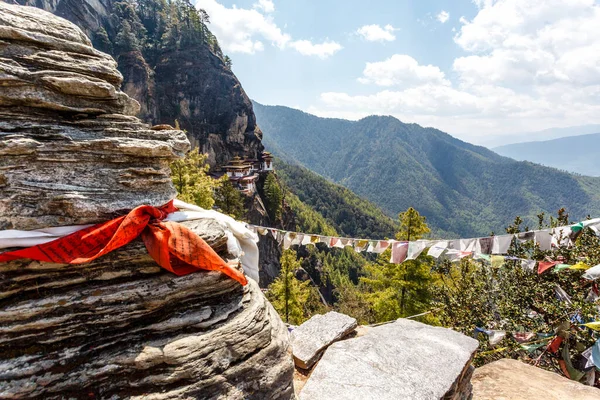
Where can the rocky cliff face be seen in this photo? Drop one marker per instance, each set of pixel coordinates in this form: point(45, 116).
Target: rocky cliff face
point(120, 326)
point(190, 84)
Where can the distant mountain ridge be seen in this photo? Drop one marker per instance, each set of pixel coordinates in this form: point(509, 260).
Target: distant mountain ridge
point(491, 141)
point(462, 189)
point(579, 154)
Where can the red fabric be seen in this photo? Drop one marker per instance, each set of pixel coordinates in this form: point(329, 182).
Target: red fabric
point(555, 344)
point(173, 246)
point(543, 266)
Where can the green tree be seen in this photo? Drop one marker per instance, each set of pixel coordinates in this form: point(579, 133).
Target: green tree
point(287, 294)
point(400, 290)
point(229, 199)
point(190, 177)
point(126, 40)
point(513, 298)
point(412, 225)
point(227, 61)
point(273, 196)
point(102, 41)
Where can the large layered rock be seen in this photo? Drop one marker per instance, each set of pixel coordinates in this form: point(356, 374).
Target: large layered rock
point(401, 360)
point(191, 85)
point(70, 150)
point(118, 327)
point(514, 380)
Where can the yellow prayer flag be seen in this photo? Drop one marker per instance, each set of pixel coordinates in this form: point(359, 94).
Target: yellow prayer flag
point(581, 266)
point(593, 325)
point(497, 261)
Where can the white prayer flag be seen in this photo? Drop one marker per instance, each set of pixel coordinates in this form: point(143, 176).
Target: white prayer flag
point(437, 249)
point(415, 249)
point(593, 273)
point(544, 239)
point(501, 244)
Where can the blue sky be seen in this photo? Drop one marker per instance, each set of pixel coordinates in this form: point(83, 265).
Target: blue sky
point(476, 69)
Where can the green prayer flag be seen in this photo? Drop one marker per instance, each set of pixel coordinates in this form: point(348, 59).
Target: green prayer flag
point(560, 267)
point(577, 227)
point(533, 347)
point(574, 373)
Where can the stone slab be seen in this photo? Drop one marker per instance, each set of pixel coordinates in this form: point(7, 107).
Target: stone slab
point(401, 360)
point(310, 339)
point(514, 380)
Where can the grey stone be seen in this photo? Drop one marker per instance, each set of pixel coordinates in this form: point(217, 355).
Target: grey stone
point(514, 380)
point(69, 153)
point(401, 360)
point(310, 339)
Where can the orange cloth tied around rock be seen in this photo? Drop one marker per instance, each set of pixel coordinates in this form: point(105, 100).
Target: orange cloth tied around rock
point(173, 246)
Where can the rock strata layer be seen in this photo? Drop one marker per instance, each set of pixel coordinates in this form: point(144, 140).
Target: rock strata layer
point(401, 360)
point(70, 151)
point(119, 327)
point(514, 380)
point(310, 339)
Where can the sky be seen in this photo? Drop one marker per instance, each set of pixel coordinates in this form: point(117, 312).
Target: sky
point(481, 70)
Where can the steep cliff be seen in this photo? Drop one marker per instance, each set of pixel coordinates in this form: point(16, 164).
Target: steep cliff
point(172, 65)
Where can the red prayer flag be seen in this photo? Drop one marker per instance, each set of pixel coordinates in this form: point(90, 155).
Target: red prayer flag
point(173, 246)
point(545, 265)
point(555, 344)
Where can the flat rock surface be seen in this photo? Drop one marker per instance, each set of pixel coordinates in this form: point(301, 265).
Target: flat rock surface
point(312, 337)
point(401, 360)
point(514, 380)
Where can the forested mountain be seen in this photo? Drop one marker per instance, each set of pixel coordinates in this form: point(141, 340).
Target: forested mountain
point(462, 189)
point(580, 154)
point(346, 212)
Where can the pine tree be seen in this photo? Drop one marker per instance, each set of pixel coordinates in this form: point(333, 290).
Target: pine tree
point(273, 196)
point(400, 290)
point(102, 41)
point(229, 199)
point(287, 294)
point(190, 177)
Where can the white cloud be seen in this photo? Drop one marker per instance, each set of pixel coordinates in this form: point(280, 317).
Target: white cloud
point(443, 16)
point(265, 5)
point(529, 65)
point(375, 33)
point(401, 70)
point(242, 30)
point(321, 50)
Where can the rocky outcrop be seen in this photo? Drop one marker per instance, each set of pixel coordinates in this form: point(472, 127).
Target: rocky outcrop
point(89, 15)
point(70, 150)
point(514, 380)
point(310, 339)
point(191, 85)
point(120, 326)
point(197, 89)
point(401, 360)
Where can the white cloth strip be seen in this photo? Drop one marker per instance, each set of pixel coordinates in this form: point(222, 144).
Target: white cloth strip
point(241, 242)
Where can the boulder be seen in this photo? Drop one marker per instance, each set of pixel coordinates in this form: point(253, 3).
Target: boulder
point(514, 380)
point(70, 150)
point(310, 339)
point(119, 326)
point(401, 360)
